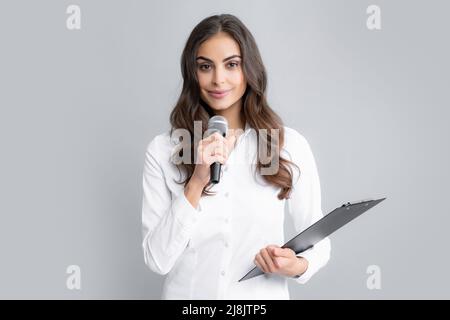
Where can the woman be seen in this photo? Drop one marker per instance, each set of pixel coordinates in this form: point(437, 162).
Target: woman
point(205, 236)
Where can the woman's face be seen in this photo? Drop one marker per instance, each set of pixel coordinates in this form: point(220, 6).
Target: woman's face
point(219, 72)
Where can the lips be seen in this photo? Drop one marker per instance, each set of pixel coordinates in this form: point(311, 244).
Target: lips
point(217, 94)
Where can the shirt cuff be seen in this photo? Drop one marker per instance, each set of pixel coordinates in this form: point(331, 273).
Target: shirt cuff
point(309, 255)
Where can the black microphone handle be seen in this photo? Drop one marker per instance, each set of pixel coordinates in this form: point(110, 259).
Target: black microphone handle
point(215, 172)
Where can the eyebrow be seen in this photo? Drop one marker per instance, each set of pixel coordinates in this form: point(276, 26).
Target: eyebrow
point(226, 59)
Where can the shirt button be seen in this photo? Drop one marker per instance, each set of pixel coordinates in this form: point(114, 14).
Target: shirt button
point(227, 220)
point(222, 273)
point(227, 194)
point(226, 245)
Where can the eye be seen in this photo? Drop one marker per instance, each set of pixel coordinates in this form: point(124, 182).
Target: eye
point(204, 67)
point(233, 64)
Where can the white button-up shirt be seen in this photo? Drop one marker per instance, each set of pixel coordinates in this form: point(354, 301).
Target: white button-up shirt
point(205, 250)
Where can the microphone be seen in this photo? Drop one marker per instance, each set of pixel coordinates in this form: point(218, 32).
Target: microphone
point(217, 124)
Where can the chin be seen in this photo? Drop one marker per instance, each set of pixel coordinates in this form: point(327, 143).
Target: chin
point(220, 106)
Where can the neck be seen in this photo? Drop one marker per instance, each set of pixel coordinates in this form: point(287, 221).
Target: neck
point(233, 115)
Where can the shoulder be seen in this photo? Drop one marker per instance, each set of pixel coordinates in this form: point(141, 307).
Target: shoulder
point(295, 143)
point(161, 146)
point(298, 150)
point(293, 136)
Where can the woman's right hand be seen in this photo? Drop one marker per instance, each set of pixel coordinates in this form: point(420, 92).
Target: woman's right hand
point(214, 148)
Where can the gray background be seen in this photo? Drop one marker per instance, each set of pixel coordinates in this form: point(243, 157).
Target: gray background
point(78, 109)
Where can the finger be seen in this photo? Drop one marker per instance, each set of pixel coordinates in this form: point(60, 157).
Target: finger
point(219, 158)
point(221, 149)
point(282, 252)
point(276, 262)
point(208, 139)
point(274, 257)
point(268, 260)
point(261, 262)
point(258, 265)
point(210, 148)
point(216, 158)
point(207, 142)
point(217, 136)
point(216, 152)
point(222, 143)
point(212, 138)
point(210, 152)
point(271, 248)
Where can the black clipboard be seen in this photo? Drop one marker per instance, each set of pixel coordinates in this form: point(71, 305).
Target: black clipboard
point(322, 228)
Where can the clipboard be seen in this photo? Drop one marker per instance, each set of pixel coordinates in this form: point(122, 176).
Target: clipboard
point(322, 228)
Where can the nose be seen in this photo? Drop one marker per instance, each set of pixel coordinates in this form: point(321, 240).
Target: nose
point(219, 76)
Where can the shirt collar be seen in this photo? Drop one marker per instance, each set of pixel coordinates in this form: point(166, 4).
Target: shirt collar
point(247, 130)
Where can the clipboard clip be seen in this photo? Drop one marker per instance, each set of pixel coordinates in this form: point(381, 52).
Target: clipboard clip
point(356, 202)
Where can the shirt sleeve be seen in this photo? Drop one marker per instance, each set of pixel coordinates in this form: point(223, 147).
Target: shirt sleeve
point(305, 206)
point(167, 222)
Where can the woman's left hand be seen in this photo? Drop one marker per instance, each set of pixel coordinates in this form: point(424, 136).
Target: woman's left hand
point(283, 261)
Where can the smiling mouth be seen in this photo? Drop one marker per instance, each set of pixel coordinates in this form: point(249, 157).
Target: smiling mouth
point(218, 94)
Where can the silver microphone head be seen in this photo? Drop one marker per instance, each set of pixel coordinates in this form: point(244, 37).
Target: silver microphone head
point(217, 124)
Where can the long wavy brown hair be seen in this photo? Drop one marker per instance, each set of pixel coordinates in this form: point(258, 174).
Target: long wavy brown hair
point(256, 112)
